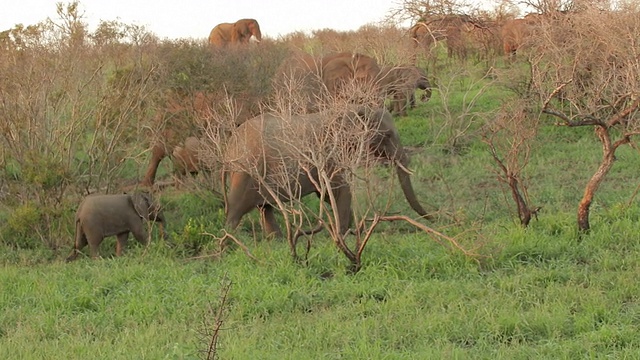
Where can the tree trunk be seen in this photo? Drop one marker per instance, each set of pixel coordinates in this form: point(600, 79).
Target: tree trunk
point(608, 156)
point(524, 213)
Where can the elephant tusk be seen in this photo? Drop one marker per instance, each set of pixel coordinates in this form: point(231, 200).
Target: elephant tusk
point(404, 168)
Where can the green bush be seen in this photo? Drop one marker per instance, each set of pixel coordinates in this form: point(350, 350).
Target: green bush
point(198, 234)
point(18, 231)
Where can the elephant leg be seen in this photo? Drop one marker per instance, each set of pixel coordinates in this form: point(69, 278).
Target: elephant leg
point(243, 197)
point(94, 246)
point(80, 243)
point(121, 243)
point(342, 193)
point(269, 224)
point(412, 99)
point(158, 152)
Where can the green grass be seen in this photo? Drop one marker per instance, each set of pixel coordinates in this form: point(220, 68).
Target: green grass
point(541, 296)
point(535, 293)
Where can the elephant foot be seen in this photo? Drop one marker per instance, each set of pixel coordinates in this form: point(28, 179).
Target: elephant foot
point(72, 256)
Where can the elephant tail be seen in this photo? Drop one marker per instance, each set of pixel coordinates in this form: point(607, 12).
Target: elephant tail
point(80, 241)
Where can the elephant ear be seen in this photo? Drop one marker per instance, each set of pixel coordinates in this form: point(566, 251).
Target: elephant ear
point(141, 202)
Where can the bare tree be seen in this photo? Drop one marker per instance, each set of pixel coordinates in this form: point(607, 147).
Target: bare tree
point(330, 152)
point(66, 112)
point(509, 136)
point(585, 73)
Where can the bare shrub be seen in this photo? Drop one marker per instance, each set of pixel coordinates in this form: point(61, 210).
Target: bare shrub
point(213, 320)
point(509, 136)
point(585, 73)
point(195, 82)
point(459, 125)
point(66, 113)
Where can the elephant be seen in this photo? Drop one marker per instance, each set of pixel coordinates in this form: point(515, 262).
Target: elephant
point(182, 116)
point(514, 33)
point(338, 69)
point(100, 216)
point(319, 80)
point(399, 83)
point(454, 28)
point(186, 160)
point(269, 146)
point(235, 33)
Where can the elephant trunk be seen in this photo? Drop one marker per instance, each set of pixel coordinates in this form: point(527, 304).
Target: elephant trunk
point(407, 189)
point(256, 33)
point(423, 84)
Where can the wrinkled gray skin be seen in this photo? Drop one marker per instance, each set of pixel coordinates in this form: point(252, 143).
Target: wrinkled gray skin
point(399, 84)
point(100, 216)
point(265, 143)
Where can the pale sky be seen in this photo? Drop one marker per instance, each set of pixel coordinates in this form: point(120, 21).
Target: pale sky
point(195, 18)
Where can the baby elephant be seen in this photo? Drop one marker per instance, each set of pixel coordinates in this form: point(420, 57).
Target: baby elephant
point(186, 159)
point(100, 216)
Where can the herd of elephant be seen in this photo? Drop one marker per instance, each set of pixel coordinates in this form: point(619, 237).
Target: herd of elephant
point(257, 143)
point(513, 34)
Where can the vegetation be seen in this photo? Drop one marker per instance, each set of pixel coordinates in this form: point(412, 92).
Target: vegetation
point(511, 267)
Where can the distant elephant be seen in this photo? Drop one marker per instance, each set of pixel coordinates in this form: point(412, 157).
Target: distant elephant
point(186, 159)
point(452, 28)
point(424, 35)
point(268, 146)
point(399, 83)
point(514, 34)
point(235, 33)
point(100, 216)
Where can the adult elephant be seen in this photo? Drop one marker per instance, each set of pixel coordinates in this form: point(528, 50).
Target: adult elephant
point(318, 81)
point(453, 28)
point(340, 69)
point(514, 34)
point(184, 116)
point(235, 33)
point(265, 153)
point(399, 83)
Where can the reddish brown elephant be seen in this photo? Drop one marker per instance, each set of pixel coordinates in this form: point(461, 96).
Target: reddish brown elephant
point(342, 68)
point(322, 79)
point(183, 116)
point(514, 34)
point(239, 32)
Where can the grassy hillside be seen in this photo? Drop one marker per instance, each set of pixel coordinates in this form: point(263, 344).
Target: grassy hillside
point(545, 291)
point(539, 292)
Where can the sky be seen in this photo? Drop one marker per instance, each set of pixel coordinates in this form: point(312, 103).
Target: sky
point(195, 18)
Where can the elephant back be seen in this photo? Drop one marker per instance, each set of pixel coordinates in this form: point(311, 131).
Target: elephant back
point(270, 136)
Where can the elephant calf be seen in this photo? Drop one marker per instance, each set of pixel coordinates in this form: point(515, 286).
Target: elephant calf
point(399, 83)
point(186, 159)
point(100, 216)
